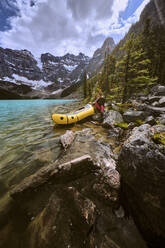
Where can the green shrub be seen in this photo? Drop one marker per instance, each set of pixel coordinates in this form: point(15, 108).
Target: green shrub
point(121, 124)
point(159, 138)
point(139, 123)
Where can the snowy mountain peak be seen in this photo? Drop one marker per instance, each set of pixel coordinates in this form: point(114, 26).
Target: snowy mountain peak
point(48, 72)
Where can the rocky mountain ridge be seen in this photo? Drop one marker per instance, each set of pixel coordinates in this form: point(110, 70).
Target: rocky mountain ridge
point(47, 74)
point(97, 60)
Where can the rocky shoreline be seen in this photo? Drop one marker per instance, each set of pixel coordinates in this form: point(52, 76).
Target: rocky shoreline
point(97, 194)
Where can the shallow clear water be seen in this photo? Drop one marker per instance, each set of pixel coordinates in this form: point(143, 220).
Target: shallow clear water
point(28, 139)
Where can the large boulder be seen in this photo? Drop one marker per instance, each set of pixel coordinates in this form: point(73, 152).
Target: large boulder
point(162, 102)
point(150, 120)
point(158, 90)
point(142, 167)
point(132, 115)
point(156, 111)
point(161, 119)
point(152, 99)
point(112, 117)
point(67, 139)
point(75, 204)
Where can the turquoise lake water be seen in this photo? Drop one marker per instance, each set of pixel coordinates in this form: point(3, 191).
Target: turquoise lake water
point(28, 139)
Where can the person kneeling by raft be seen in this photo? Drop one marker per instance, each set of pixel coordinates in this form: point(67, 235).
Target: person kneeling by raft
point(99, 103)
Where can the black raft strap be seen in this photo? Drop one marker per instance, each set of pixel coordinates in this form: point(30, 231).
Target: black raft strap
point(77, 118)
point(67, 119)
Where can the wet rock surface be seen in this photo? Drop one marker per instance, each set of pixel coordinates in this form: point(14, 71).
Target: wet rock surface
point(71, 203)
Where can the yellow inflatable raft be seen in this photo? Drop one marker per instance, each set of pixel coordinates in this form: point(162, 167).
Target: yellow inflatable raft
point(70, 118)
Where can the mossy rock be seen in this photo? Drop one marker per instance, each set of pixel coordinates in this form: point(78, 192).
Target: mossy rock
point(159, 138)
point(139, 123)
point(124, 107)
point(157, 122)
point(121, 125)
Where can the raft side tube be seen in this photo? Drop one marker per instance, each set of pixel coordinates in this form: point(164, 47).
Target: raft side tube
point(74, 117)
point(60, 119)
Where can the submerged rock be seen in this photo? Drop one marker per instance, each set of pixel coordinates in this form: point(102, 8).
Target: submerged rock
point(73, 202)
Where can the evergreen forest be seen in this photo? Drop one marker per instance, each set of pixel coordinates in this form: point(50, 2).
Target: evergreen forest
point(132, 68)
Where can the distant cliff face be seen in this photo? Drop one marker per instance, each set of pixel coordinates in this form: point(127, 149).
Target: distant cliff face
point(48, 73)
point(18, 62)
point(160, 9)
point(98, 58)
point(155, 9)
point(19, 70)
point(64, 70)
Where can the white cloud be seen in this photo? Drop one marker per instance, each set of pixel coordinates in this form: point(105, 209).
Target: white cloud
point(59, 27)
point(119, 29)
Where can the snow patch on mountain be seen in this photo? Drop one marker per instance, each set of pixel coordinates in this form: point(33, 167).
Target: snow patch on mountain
point(53, 63)
point(60, 80)
point(33, 83)
point(39, 63)
point(70, 68)
point(57, 92)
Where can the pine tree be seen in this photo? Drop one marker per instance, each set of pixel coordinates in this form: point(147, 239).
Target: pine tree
point(124, 67)
point(108, 70)
point(135, 69)
point(140, 67)
point(153, 43)
point(159, 58)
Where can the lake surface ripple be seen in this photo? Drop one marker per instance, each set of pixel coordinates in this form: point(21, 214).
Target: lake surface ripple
point(28, 139)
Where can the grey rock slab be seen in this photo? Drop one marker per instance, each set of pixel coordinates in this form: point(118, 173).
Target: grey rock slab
point(162, 102)
point(112, 117)
point(67, 139)
point(156, 110)
point(132, 116)
point(158, 90)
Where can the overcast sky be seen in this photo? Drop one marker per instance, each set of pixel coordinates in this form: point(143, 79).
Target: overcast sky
point(65, 26)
